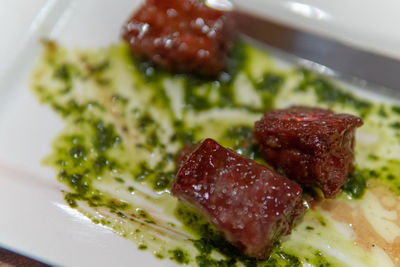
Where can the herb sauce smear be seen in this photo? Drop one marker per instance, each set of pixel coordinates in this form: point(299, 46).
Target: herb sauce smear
point(125, 122)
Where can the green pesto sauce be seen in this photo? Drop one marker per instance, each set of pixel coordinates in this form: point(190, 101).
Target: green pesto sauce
point(240, 139)
point(331, 94)
point(356, 184)
point(126, 122)
point(179, 255)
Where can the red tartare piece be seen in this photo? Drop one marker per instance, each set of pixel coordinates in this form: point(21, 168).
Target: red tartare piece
point(313, 146)
point(181, 35)
point(184, 154)
point(249, 204)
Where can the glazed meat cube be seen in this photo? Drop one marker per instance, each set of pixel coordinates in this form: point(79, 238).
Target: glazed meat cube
point(181, 35)
point(184, 154)
point(310, 145)
point(249, 204)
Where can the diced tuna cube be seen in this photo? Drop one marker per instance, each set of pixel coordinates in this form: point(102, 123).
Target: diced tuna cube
point(312, 146)
point(181, 35)
point(248, 203)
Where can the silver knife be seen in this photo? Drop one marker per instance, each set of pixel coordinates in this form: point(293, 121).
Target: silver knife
point(347, 61)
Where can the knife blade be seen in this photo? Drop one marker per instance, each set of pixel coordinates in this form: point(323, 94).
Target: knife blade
point(376, 69)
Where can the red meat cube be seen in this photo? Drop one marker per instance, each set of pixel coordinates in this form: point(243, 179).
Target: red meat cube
point(184, 154)
point(312, 146)
point(181, 35)
point(249, 204)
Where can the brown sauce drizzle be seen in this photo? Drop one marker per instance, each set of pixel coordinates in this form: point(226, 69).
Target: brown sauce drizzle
point(365, 235)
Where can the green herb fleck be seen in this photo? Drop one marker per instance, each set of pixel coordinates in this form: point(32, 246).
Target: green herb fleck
point(356, 184)
point(180, 256)
point(142, 247)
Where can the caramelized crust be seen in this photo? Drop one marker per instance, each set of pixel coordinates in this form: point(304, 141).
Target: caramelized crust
point(181, 35)
point(313, 146)
point(250, 204)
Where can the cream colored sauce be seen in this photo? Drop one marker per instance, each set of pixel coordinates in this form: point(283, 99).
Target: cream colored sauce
point(373, 220)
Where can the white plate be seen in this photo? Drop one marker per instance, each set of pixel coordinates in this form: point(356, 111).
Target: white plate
point(34, 217)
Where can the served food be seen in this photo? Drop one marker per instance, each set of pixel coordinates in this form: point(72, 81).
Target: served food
point(250, 204)
point(127, 121)
point(313, 146)
point(181, 35)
